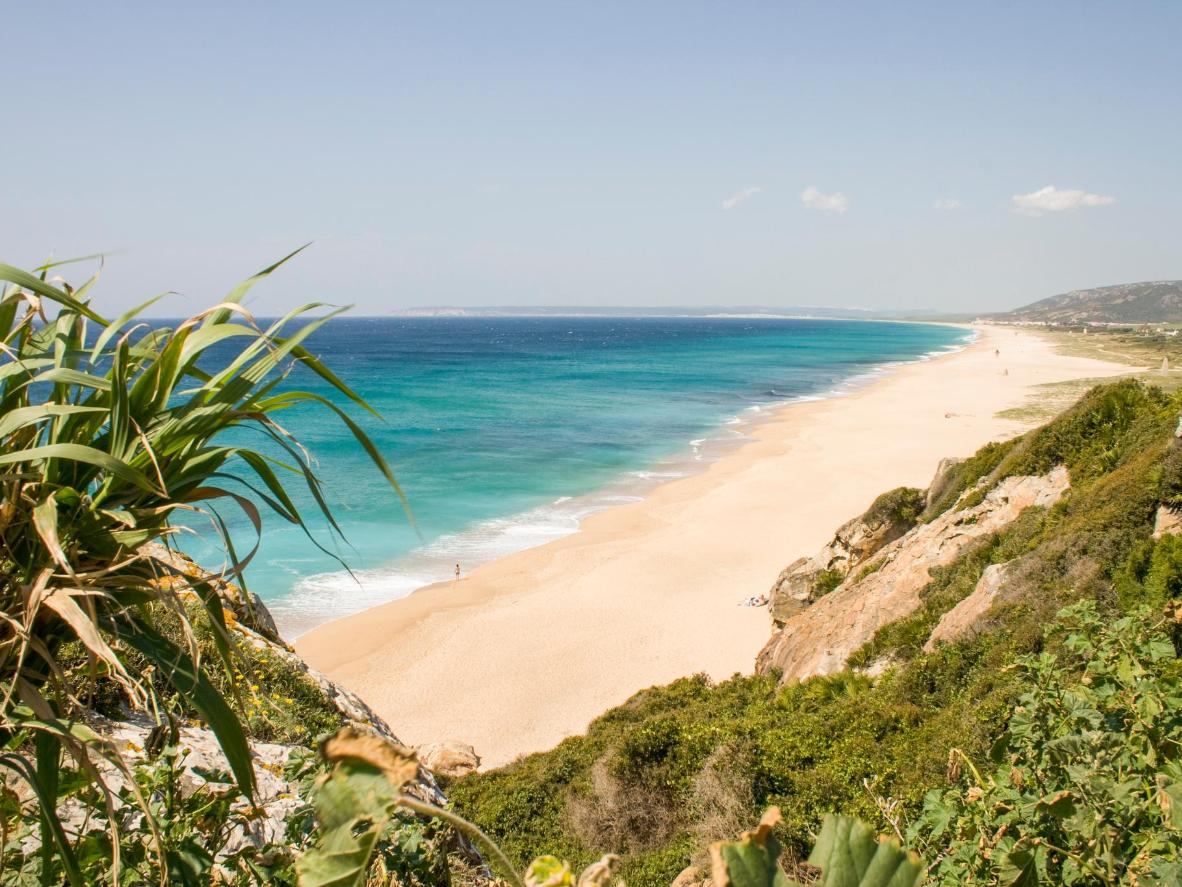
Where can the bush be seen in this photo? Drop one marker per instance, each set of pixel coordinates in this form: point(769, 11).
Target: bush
point(901, 505)
point(1087, 788)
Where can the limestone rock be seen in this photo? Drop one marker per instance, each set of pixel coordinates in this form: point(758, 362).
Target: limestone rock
point(691, 876)
point(449, 758)
point(940, 480)
point(960, 619)
point(276, 798)
point(793, 589)
point(820, 639)
point(1167, 522)
point(855, 542)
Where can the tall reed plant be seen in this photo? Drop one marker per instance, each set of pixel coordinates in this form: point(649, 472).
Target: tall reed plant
point(113, 435)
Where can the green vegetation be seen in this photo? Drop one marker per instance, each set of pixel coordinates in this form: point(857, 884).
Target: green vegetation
point(362, 794)
point(902, 505)
point(1087, 781)
point(826, 581)
point(869, 569)
point(964, 475)
point(678, 766)
point(108, 432)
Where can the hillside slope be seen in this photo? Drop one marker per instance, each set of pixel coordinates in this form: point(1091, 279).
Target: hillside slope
point(1150, 302)
point(677, 766)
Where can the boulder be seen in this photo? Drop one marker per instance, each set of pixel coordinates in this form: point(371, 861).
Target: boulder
point(449, 758)
point(963, 617)
point(794, 588)
point(1167, 523)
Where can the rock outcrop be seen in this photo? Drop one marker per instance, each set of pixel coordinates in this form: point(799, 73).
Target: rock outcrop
point(807, 579)
point(962, 618)
point(449, 758)
point(175, 569)
point(1167, 522)
point(820, 638)
point(200, 758)
point(940, 480)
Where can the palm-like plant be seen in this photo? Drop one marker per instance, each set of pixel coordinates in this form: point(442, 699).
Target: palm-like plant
point(110, 432)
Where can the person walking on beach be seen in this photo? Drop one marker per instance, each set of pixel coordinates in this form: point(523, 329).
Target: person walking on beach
point(457, 571)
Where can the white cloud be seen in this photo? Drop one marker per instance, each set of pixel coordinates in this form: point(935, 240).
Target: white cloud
point(740, 196)
point(1052, 200)
point(829, 203)
point(946, 204)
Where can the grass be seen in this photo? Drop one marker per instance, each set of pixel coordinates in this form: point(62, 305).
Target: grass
point(1143, 351)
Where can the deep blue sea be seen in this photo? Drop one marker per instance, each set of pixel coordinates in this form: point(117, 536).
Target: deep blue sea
point(504, 432)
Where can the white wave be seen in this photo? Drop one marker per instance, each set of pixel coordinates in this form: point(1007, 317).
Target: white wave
point(656, 475)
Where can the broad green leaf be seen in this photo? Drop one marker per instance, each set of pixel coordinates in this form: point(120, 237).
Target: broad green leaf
point(850, 855)
point(346, 864)
point(753, 860)
point(1019, 868)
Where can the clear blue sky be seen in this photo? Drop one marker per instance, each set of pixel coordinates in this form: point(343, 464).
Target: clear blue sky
point(582, 153)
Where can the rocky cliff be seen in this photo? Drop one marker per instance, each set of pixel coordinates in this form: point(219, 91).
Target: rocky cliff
point(820, 637)
point(806, 580)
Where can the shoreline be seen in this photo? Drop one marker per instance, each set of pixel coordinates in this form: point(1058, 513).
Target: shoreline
point(691, 458)
point(533, 645)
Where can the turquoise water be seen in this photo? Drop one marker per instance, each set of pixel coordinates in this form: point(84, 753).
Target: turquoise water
point(505, 432)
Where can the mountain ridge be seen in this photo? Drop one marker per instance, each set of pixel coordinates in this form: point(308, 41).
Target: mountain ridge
point(1152, 301)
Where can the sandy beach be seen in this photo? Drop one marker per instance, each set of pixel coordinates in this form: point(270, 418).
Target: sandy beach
point(528, 649)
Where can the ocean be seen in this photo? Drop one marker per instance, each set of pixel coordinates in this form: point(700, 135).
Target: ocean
point(504, 432)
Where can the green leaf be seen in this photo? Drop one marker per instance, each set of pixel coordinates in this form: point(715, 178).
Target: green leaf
point(341, 861)
point(81, 453)
point(1169, 796)
point(753, 860)
point(178, 669)
point(849, 855)
point(1060, 805)
point(1019, 868)
point(355, 793)
point(35, 285)
point(47, 801)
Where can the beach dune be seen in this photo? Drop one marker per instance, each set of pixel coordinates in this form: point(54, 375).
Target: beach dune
point(530, 648)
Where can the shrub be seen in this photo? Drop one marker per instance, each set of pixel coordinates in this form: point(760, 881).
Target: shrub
point(1087, 788)
point(901, 505)
point(827, 581)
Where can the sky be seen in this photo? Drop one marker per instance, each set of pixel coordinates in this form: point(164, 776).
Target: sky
point(940, 156)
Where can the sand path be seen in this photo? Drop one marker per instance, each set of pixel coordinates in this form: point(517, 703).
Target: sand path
point(529, 648)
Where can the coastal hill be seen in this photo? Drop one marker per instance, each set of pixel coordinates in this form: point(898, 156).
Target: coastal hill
point(916, 677)
point(1158, 301)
